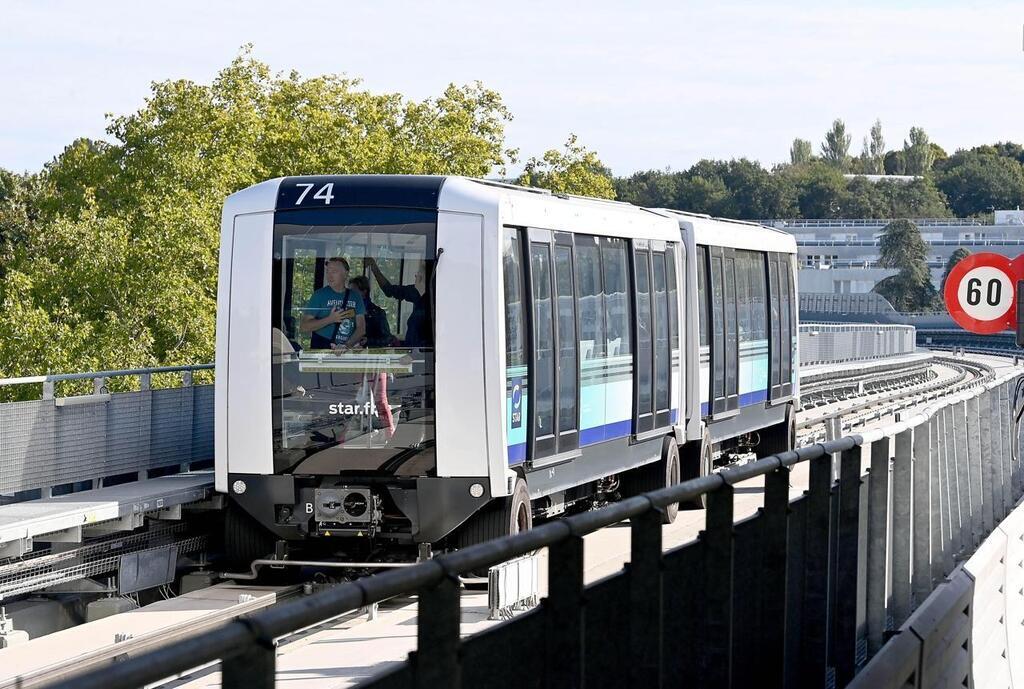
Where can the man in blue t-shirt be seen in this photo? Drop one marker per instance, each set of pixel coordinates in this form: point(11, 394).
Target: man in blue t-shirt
point(335, 314)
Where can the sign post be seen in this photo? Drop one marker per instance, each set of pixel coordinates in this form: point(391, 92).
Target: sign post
point(981, 293)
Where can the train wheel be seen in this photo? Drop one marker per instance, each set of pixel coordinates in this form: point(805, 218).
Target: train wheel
point(667, 471)
point(503, 517)
point(696, 464)
point(245, 539)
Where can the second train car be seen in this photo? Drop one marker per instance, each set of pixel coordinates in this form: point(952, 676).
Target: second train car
point(438, 360)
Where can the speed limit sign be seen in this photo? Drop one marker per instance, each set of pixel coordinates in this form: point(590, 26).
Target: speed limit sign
point(980, 293)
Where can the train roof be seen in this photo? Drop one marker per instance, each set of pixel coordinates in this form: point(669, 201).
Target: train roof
point(739, 234)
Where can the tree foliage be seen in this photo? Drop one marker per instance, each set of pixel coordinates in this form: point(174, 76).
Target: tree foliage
point(574, 170)
point(954, 258)
point(835, 150)
point(903, 249)
point(918, 153)
point(109, 257)
point(800, 152)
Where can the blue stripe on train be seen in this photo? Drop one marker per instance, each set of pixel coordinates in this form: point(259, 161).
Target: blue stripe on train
point(746, 400)
point(588, 436)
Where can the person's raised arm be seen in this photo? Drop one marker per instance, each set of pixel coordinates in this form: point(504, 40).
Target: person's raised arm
point(378, 274)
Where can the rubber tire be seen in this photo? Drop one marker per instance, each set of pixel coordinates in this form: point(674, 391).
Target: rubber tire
point(667, 471)
point(245, 539)
point(779, 438)
point(503, 517)
point(697, 464)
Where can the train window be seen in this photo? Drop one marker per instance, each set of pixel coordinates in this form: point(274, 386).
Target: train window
point(542, 378)
point(718, 334)
point(745, 320)
point(731, 344)
point(644, 333)
point(662, 353)
point(673, 300)
point(755, 268)
point(702, 294)
point(776, 339)
point(515, 354)
point(331, 413)
point(516, 379)
point(568, 366)
point(787, 336)
point(618, 319)
point(591, 298)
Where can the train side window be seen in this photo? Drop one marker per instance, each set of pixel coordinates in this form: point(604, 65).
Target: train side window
point(516, 374)
point(542, 380)
point(673, 327)
point(758, 317)
point(618, 316)
point(568, 341)
point(643, 420)
point(662, 351)
point(702, 294)
point(515, 354)
point(743, 305)
point(718, 333)
point(731, 339)
point(786, 331)
point(591, 298)
point(776, 336)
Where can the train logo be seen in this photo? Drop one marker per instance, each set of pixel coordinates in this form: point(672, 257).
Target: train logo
point(517, 403)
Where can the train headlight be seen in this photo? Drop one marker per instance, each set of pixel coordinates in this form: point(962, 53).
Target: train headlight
point(476, 490)
point(239, 487)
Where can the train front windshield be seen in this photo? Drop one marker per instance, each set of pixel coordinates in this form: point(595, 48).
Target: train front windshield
point(352, 342)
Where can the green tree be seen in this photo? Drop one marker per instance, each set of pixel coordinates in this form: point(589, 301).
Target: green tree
point(800, 152)
point(902, 248)
point(976, 182)
point(954, 258)
point(918, 153)
point(895, 163)
point(118, 265)
point(575, 170)
point(649, 188)
point(836, 148)
point(876, 149)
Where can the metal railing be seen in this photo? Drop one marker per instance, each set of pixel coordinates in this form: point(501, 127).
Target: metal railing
point(64, 440)
point(771, 601)
point(873, 222)
point(804, 243)
point(827, 343)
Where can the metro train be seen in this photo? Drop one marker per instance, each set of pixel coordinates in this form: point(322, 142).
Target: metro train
point(436, 361)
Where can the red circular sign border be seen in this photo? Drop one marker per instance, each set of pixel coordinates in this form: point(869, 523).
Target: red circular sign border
point(1005, 322)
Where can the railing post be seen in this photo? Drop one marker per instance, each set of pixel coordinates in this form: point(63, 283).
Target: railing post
point(974, 461)
point(436, 658)
point(963, 474)
point(847, 569)
point(939, 515)
point(951, 493)
point(716, 649)
point(1005, 460)
point(565, 615)
point(770, 653)
point(988, 478)
point(922, 576)
point(878, 520)
point(645, 604)
point(901, 527)
point(814, 625)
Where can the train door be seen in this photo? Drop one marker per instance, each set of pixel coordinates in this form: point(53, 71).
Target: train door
point(553, 362)
point(724, 340)
point(656, 334)
point(783, 325)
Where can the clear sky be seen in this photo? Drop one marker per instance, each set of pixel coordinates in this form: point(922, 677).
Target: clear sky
point(646, 84)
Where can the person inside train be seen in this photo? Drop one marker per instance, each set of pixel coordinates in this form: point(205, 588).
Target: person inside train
point(378, 332)
point(335, 314)
point(418, 329)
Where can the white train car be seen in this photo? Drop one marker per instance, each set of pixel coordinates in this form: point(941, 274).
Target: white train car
point(436, 360)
